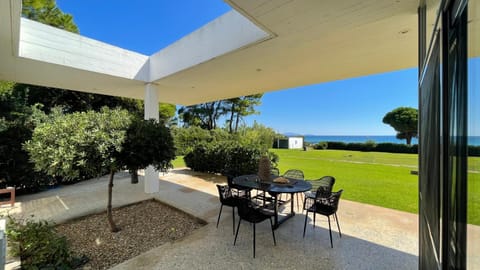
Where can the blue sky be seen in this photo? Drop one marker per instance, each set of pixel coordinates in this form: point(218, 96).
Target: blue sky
point(347, 107)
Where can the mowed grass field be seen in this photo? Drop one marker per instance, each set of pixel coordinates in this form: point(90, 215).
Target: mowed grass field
point(382, 179)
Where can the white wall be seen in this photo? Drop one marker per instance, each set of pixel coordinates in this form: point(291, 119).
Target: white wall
point(295, 143)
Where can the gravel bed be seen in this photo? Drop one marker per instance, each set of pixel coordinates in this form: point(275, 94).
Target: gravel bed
point(144, 225)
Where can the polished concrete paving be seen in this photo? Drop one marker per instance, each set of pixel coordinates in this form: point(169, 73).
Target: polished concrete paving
point(372, 237)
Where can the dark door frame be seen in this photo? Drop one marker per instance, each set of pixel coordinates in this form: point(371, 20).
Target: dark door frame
point(443, 138)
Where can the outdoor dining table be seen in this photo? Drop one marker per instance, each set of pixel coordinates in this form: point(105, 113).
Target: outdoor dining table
point(294, 186)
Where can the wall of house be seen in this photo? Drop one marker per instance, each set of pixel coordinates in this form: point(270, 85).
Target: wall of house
point(295, 143)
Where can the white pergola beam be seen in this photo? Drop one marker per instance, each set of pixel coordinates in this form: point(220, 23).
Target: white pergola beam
point(48, 44)
point(229, 32)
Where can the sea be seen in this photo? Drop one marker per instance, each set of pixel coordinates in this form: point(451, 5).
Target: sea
point(472, 140)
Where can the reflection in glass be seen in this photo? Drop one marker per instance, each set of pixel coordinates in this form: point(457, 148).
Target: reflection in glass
point(473, 200)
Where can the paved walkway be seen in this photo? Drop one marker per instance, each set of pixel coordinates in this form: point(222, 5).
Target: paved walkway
point(372, 237)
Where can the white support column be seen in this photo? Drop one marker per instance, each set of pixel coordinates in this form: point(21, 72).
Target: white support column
point(151, 183)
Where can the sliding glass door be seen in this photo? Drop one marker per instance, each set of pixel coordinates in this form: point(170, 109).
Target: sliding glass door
point(443, 134)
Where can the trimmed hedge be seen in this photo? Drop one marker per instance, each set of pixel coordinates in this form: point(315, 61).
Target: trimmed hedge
point(370, 146)
point(396, 148)
point(227, 158)
point(474, 151)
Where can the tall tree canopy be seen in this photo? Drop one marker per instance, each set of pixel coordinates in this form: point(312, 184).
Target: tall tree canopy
point(241, 107)
point(167, 113)
point(207, 115)
point(47, 12)
point(204, 115)
point(405, 122)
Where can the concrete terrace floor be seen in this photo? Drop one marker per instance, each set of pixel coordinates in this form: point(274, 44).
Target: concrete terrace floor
point(372, 237)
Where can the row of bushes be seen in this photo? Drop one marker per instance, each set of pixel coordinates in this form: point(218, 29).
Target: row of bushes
point(187, 138)
point(16, 168)
point(227, 158)
point(371, 146)
point(474, 151)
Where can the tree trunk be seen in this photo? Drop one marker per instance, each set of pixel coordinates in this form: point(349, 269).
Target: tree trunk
point(216, 113)
point(212, 116)
point(133, 176)
point(113, 226)
point(236, 122)
point(231, 118)
point(409, 139)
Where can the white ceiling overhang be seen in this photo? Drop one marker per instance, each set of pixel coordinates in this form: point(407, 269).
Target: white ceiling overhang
point(260, 46)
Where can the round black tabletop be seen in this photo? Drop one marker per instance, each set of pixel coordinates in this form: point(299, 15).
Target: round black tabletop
point(253, 181)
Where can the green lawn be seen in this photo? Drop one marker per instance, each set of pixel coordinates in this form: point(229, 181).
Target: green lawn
point(382, 179)
point(367, 177)
point(178, 162)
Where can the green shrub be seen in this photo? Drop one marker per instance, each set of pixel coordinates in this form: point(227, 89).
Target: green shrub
point(38, 245)
point(243, 159)
point(186, 139)
point(77, 144)
point(371, 146)
point(321, 146)
point(147, 141)
point(16, 170)
point(474, 151)
point(226, 157)
point(396, 148)
point(355, 147)
point(337, 145)
point(208, 157)
point(257, 134)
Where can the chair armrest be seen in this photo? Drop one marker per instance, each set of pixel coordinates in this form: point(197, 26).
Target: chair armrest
point(308, 202)
point(266, 211)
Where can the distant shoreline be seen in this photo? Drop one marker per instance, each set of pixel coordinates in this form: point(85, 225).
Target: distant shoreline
point(313, 139)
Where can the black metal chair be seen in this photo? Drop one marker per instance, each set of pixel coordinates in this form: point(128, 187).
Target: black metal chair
point(249, 212)
point(323, 205)
point(326, 183)
point(237, 190)
point(295, 174)
point(227, 198)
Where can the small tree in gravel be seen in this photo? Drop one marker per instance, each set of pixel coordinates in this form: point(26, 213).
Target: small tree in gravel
point(72, 144)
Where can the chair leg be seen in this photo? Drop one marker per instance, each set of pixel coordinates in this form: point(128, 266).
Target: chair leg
point(330, 230)
point(338, 225)
point(219, 214)
point(298, 200)
point(254, 240)
point(273, 232)
point(305, 224)
point(233, 217)
point(304, 203)
point(314, 221)
point(236, 234)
